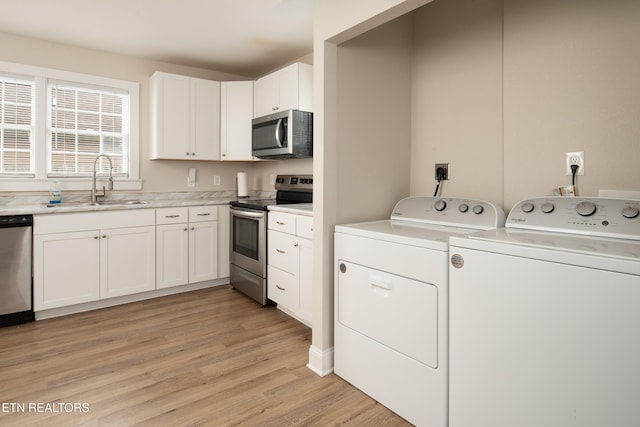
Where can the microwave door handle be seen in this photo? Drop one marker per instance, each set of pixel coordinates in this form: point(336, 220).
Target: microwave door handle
point(278, 127)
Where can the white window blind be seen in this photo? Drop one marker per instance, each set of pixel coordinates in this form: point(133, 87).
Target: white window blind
point(17, 101)
point(82, 123)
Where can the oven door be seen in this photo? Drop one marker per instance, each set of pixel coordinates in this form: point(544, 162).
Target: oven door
point(248, 249)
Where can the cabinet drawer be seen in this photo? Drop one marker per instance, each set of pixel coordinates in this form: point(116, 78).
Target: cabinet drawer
point(304, 226)
point(281, 221)
point(282, 288)
point(172, 215)
point(283, 251)
point(203, 213)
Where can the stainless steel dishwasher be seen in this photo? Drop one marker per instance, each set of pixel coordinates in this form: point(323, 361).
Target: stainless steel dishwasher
point(16, 283)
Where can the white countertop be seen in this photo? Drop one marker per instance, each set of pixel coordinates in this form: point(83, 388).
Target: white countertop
point(36, 205)
point(296, 208)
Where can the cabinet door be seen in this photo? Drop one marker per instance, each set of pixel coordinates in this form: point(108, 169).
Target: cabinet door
point(306, 280)
point(203, 251)
point(170, 116)
point(205, 119)
point(172, 262)
point(266, 95)
point(66, 269)
point(127, 261)
point(288, 88)
point(236, 100)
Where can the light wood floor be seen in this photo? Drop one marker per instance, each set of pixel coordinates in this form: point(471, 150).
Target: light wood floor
point(209, 357)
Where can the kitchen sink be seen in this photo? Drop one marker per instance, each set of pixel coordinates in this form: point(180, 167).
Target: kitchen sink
point(100, 203)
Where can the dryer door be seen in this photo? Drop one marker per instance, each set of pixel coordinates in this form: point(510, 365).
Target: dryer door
point(394, 311)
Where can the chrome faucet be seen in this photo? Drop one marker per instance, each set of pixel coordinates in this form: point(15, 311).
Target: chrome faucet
point(94, 191)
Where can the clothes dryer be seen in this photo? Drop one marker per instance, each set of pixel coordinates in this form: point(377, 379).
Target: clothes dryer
point(391, 302)
point(545, 317)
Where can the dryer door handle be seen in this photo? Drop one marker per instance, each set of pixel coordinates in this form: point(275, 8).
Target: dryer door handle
point(380, 282)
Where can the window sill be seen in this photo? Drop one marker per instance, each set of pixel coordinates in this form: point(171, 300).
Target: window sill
point(65, 184)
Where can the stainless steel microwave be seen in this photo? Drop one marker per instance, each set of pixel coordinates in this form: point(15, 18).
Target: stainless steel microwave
point(283, 135)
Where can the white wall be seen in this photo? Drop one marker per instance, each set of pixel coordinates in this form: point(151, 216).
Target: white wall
point(502, 90)
point(571, 83)
point(457, 98)
point(373, 122)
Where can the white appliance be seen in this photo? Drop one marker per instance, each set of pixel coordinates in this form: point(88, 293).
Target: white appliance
point(391, 302)
point(545, 317)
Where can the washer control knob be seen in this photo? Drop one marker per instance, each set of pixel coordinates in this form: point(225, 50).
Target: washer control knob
point(586, 208)
point(547, 207)
point(527, 207)
point(440, 205)
point(463, 207)
point(478, 209)
point(630, 212)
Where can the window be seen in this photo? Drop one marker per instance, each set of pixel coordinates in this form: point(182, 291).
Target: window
point(54, 124)
point(84, 123)
point(16, 126)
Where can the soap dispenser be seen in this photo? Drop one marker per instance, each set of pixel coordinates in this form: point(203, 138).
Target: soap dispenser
point(54, 194)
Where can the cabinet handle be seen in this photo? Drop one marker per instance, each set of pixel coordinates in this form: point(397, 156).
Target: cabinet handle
point(187, 153)
point(280, 251)
point(280, 288)
point(193, 154)
point(96, 237)
point(204, 214)
point(193, 228)
point(281, 223)
point(295, 245)
point(186, 229)
point(172, 216)
point(104, 236)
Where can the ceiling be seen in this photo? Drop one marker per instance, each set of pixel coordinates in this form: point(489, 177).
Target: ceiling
point(244, 37)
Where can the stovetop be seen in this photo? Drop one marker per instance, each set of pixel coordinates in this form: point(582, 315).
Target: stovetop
point(259, 204)
point(291, 189)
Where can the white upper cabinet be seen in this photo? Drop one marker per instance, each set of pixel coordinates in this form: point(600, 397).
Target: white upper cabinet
point(288, 88)
point(236, 112)
point(185, 117)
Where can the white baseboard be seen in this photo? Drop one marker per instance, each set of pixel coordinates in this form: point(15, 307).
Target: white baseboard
point(78, 308)
point(320, 361)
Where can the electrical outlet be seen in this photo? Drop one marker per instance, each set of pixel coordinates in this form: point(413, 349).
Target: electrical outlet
point(444, 166)
point(216, 180)
point(575, 158)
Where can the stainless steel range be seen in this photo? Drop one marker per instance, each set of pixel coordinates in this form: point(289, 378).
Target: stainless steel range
point(248, 247)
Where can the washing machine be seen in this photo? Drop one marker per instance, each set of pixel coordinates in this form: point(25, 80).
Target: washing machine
point(545, 317)
point(391, 302)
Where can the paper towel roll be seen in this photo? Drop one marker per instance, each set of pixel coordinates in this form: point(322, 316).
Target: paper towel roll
point(242, 184)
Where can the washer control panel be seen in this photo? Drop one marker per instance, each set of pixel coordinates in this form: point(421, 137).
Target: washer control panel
point(603, 217)
point(469, 213)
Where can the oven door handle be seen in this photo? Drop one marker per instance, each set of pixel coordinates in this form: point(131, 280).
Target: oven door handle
point(246, 213)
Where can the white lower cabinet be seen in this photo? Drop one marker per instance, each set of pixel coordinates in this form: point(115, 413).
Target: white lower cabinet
point(127, 261)
point(187, 245)
point(289, 278)
point(66, 269)
point(83, 257)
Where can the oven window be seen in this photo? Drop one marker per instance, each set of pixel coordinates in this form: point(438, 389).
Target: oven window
point(246, 237)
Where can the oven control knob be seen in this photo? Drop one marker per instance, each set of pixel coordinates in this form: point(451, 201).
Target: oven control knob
point(586, 208)
point(440, 205)
point(478, 209)
point(527, 207)
point(547, 207)
point(630, 212)
point(463, 207)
